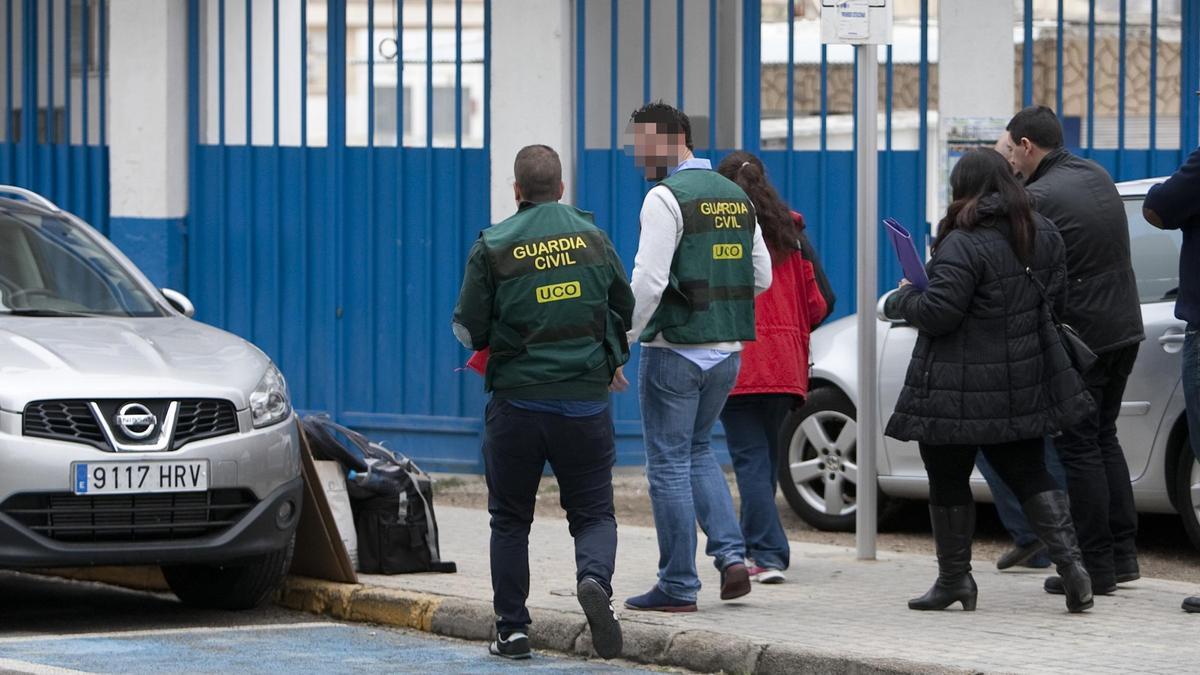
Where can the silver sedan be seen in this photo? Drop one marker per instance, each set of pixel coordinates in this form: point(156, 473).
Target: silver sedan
point(819, 472)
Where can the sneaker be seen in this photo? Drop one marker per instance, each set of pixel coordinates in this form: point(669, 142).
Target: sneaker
point(514, 645)
point(655, 600)
point(602, 618)
point(766, 575)
point(735, 581)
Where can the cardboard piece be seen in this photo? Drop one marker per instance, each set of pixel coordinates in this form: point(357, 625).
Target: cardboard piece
point(320, 553)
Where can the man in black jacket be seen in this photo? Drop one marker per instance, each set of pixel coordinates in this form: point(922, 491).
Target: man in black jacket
point(1101, 302)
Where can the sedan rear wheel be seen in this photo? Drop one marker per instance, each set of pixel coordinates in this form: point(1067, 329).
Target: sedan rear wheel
point(1187, 491)
point(819, 471)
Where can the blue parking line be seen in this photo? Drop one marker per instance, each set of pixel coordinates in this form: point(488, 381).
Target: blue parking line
point(326, 648)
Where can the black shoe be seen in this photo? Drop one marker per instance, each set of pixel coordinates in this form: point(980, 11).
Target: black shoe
point(1049, 514)
point(602, 618)
point(735, 581)
point(1054, 586)
point(953, 527)
point(513, 645)
point(1191, 605)
point(1127, 571)
point(1019, 555)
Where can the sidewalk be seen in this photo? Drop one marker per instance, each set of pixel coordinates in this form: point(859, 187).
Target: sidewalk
point(835, 614)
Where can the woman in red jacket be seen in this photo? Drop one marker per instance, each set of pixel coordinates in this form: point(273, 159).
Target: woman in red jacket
point(774, 374)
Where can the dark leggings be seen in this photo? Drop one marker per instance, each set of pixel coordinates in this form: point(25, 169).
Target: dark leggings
point(1021, 464)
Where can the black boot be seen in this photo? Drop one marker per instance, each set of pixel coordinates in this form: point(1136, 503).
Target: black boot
point(953, 527)
point(1050, 515)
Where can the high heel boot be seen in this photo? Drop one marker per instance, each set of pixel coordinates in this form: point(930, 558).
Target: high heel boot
point(953, 527)
point(1050, 515)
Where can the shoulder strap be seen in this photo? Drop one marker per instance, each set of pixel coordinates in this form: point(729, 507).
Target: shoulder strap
point(1041, 288)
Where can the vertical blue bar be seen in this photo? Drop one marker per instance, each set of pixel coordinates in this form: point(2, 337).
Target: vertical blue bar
point(193, 124)
point(1091, 80)
point(614, 42)
point(1027, 58)
point(370, 77)
point(336, 107)
point(752, 75)
point(791, 89)
point(221, 72)
point(67, 84)
point(9, 129)
point(1058, 62)
point(249, 72)
point(304, 75)
point(487, 78)
point(399, 91)
point(336, 64)
point(646, 51)
point(103, 20)
point(923, 122)
point(1189, 80)
point(824, 99)
point(458, 61)
point(580, 98)
point(29, 90)
point(887, 143)
point(85, 98)
point(429, 82)
point(50, 76)
point(712, 78)
point(678, 52)
point(1153, 87)
point(1121, 94)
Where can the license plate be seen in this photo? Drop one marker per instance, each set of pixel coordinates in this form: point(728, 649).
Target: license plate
point(108, 478)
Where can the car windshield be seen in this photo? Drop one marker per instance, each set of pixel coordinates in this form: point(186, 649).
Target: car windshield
point(51, 267)
point(1155, 255)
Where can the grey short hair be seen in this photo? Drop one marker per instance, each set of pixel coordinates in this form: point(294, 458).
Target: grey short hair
point(538, 173)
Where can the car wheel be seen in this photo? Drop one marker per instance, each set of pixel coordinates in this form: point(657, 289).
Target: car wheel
point(242, 586)
point(818, 472)
point(1187, 490)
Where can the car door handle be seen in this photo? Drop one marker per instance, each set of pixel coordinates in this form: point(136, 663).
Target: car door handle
point(1171, 339)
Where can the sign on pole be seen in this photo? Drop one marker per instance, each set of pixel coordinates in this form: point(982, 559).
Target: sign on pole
point(865, 24)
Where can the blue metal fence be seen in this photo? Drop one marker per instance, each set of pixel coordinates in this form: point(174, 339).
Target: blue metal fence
point(53, 134)
point(342, 260)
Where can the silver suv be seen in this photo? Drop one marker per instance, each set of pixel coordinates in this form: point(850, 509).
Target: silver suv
point(129, 433)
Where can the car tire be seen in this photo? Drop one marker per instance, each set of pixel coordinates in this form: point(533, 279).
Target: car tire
point(233, 587)
point(809, 468)
point(1187, 490)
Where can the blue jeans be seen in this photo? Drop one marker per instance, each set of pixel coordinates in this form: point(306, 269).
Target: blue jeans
point(680, 405)
point(1191, 385)
point(752, 425)
point(1007, 504)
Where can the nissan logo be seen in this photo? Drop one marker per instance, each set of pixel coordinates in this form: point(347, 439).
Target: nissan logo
point(136, 421)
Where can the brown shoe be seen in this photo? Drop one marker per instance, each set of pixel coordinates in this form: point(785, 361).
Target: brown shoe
point(735, 581)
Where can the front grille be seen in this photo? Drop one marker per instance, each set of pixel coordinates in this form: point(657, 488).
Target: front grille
point(199, 419)
point(63, 420)
point(129, 518)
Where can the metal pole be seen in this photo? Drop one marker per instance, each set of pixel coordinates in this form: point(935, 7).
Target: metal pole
point(867, 196)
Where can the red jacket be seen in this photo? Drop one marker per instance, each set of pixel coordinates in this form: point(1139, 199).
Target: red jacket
point(785, 314)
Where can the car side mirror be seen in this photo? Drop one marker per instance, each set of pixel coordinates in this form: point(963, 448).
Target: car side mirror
point(879, 313)
point(180, 302)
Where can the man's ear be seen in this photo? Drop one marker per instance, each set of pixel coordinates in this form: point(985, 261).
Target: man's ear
point(562, 189)
point(517, 193)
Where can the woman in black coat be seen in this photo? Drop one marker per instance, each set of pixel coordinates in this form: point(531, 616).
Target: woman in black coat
point(988, 373)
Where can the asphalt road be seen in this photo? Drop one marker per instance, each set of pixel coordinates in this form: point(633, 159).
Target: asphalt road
point(53, 626)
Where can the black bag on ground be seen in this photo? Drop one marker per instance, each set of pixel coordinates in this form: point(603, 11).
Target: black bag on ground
point(393, 505)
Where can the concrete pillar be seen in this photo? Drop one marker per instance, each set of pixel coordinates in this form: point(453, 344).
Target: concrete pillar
point(975, 59)
point(148, 134)
point(532, 90)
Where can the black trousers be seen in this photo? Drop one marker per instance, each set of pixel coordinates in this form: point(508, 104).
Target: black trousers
point(517, 444)
point(1021, 464)
point(1097, 474)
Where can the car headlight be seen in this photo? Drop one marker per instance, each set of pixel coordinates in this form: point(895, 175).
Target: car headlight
point(269, 402)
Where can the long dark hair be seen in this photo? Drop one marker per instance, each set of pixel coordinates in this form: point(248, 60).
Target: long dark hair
point(774, 217)
point(982, 187)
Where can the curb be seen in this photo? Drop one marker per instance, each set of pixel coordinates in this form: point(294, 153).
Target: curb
point(652, 644)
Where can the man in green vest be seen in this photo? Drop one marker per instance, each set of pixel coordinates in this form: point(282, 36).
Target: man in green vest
point(545, 292)
point(701, 260)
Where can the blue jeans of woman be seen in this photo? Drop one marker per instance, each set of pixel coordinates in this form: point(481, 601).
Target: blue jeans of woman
point(680, 405)
point(752, 424)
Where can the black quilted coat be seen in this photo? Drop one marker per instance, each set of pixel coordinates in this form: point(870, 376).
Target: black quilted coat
point(988, 366)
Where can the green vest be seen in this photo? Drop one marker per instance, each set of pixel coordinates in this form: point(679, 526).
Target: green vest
point(553, 335)
point(710, 296)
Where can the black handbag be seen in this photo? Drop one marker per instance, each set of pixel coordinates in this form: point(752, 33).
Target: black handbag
point(1081, 355)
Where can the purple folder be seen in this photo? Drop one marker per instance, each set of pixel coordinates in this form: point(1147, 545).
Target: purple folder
point(906, 251)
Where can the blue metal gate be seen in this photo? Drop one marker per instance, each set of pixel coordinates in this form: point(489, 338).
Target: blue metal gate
point(332, 231)
point(53, 137)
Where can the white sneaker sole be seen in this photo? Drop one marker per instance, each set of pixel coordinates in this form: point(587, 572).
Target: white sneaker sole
point(770, 577)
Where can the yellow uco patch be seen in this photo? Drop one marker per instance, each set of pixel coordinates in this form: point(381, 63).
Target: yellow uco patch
point(727, 251)
point(554, 292)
